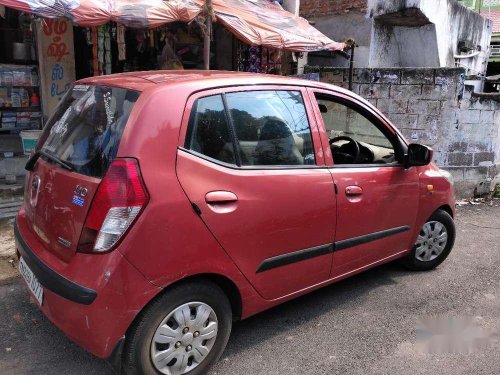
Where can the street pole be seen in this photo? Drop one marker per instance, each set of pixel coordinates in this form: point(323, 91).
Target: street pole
point(208, 35)
point(351, 66)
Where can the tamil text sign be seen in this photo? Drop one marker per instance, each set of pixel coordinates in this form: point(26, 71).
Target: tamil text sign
point(57, 60)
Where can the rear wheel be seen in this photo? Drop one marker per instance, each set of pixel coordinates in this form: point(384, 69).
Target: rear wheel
point(184, 331)
point(434, 243)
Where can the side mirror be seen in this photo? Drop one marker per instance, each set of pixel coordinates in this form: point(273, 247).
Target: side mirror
point(418, 155)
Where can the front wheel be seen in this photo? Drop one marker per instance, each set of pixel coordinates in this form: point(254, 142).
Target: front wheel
point(434, 243)
point(184, 331)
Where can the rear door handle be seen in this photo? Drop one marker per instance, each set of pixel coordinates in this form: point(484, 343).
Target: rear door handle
point(220, 197)
point(353, 191)
point(222, 202)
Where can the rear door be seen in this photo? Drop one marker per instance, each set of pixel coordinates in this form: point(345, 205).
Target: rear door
point(77, 146)
point(377, 200)
point(252, 165)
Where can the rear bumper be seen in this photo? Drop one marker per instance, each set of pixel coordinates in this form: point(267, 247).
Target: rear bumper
point(93, 299)
point(50, 279)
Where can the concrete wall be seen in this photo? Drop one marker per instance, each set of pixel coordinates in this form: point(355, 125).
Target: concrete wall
point(402, 33)
point(352, 25)
point(427, 27)
point(401, 46)
point(320, 8)
point(433, 107)
point(292, 6)
point(340, 20)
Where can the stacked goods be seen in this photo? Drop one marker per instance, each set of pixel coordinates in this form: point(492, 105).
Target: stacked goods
point(19, 98)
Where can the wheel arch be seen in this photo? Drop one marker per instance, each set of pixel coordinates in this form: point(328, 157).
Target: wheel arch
point(227, 285)
point(446, 208)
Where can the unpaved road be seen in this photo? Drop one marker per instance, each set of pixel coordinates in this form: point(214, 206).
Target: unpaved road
point(8, 260)
point(364, 325)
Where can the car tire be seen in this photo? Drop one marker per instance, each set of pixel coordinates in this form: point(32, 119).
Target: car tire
point(141, 346)
point(423, 257)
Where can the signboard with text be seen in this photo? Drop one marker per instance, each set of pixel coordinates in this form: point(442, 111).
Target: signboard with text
point(57, 60)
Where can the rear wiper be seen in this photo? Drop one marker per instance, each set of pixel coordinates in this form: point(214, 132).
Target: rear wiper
point(32, 161)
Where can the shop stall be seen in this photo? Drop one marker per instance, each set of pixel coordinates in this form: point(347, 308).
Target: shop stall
point(46, 45)
point(20, 104)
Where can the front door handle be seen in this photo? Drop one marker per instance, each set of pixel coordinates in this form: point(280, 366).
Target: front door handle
point(352, 191)
point(220, 197)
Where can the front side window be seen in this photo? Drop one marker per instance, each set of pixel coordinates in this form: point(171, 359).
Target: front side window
point(354, 139)
point(271, 128)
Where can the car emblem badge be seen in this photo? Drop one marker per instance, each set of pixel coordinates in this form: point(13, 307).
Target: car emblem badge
point(64, 242)
point(81, 191)
point(35, 190)
point(79, 195)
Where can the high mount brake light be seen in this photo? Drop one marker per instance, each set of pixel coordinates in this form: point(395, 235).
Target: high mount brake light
point(119, 200)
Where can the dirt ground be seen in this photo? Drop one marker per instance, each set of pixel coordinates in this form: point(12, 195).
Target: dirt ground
point(8, 259)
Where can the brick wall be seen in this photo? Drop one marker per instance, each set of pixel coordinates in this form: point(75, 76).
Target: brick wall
point(433, 107)
point(318, 8)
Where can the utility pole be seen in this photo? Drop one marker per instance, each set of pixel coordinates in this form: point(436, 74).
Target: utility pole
point(208, 35)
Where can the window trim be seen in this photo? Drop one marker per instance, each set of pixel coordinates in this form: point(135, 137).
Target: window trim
point(251, 167)
point(400, 147)
point(319, 162)
point(191, 130)
point(232, 131)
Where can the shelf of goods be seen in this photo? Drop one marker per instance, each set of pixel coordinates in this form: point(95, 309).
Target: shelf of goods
point(19, 98)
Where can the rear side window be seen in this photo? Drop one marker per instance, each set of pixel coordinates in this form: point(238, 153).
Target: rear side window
point(272, 128)
point(86, 130)
point(209, 132)
point(252, 128)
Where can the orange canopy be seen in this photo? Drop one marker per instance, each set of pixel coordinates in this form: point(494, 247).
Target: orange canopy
point(265, 23)
point(256, 22)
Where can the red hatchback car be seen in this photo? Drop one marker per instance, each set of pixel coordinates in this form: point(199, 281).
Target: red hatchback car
point(162, 206)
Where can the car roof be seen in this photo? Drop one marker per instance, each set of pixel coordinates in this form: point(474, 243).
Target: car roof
point(199, 79)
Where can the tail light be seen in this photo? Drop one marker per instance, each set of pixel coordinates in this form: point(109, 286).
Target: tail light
point(119, 200)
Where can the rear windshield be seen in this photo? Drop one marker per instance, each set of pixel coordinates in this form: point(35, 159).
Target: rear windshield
point(86, 129)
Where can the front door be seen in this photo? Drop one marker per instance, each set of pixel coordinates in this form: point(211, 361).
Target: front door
point(377, 198)
point(252, 165)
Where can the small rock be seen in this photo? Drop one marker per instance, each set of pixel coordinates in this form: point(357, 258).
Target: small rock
point(8, 349)
point(17, 317)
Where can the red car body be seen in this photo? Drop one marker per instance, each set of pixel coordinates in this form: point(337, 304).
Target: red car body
point(184, 233)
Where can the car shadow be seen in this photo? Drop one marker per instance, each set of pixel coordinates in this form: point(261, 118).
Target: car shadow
point(285, 317)
point(49, 342)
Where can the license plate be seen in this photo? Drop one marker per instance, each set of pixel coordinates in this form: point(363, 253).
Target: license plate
point(33, 284)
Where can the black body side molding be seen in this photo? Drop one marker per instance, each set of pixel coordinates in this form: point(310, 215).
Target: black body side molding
point(313, 252)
